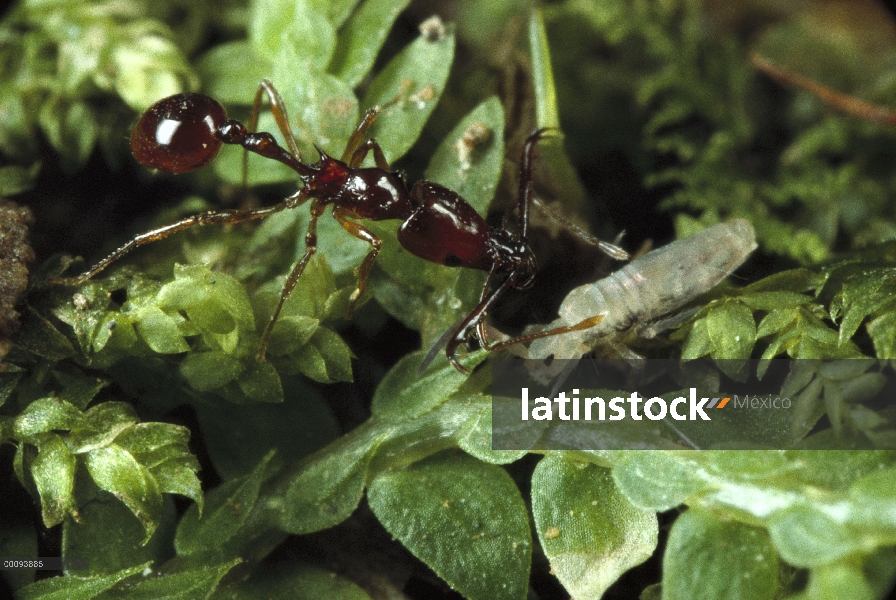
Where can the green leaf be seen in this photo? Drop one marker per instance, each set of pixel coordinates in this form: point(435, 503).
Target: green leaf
point(207, 371)
point(278, 23)
point(477, 441)
point(47, 414)
point(404, 394)
point(229, 506)
point(199, 581)
point(362, 37)
point(426, 65)
point(710, 558)
point(589, 531)
point(148, 67)
point(732, 330)
point(261, 383)
point(469, 159)
point(76, 588)
point(465, 519)
point(104, 422)
point(325, 358)
point(231, 72)
point(323, 108)
point(546, 113)
point(163, 449)
point(159, 331)
point(115, 470)
point(53, 470)
point(656, 480)
point(325, 489)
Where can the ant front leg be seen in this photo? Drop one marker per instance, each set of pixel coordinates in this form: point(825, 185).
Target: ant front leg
point(353, 146)
point(462, 331)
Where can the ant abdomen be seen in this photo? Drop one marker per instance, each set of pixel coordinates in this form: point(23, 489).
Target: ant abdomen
point(179, 134)
point(444, 229)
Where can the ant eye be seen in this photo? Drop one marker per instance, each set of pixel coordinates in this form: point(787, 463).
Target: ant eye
point(178, 134)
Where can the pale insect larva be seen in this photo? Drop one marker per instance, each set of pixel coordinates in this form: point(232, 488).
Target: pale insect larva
point(647, 288)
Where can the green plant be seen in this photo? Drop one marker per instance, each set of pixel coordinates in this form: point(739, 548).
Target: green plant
point(90, 393)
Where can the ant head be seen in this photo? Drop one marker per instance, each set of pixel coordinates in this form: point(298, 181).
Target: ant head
point(178, 134)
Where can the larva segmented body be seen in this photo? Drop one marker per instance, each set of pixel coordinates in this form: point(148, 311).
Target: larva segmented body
point(648, 287)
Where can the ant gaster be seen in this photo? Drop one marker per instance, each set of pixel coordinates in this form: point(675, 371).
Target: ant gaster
point(184, 132)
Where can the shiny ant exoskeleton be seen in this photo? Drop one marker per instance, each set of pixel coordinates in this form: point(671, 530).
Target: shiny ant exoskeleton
point(185, 132)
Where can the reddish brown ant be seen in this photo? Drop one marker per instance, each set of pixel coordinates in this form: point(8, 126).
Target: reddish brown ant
point(185, 132)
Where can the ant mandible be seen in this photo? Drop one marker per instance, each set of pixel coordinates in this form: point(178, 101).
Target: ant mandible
point(184, 132)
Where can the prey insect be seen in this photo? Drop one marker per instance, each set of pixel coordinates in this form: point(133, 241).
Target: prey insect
point(183, 133)
point(647, 288)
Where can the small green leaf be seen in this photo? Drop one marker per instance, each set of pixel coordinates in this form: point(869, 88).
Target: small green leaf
point(74, 587)
point(291, 332)
point(53, 470)
point(426, 65)
point(325, 358)
point(229, 506)
point(656, 480)
point(159, 331)
point(477, 441)
point(274, 24)
point(163, 449)
point(324, 108)
point(589, 531)
point(261, 383)
point(708, 558)
point(296, 581)
point(470, 158)
point(47, 414)
point(200, 581)
point(210, 370)
point(325, 489)
point(115, 470)
point(231, 72)
point(362, 37)
point(732, 330)
point(462, 517)
point(546, 113)
point(404, 394)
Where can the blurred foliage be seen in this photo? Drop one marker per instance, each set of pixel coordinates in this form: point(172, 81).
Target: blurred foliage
point(96, 373)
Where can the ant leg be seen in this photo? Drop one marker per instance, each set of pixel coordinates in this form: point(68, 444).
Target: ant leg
point(362, 233)
point(526, 198)
point(354, 141)
point(361, 153)
point(461, 331)
point(278, 109)
point(611, 250)
point(316, 210)
point(525, 339)
point(223, 217)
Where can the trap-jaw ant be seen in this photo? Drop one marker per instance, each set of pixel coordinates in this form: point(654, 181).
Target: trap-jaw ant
point(184, 132)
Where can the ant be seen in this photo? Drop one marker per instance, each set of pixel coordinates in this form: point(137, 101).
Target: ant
point(184, 132)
